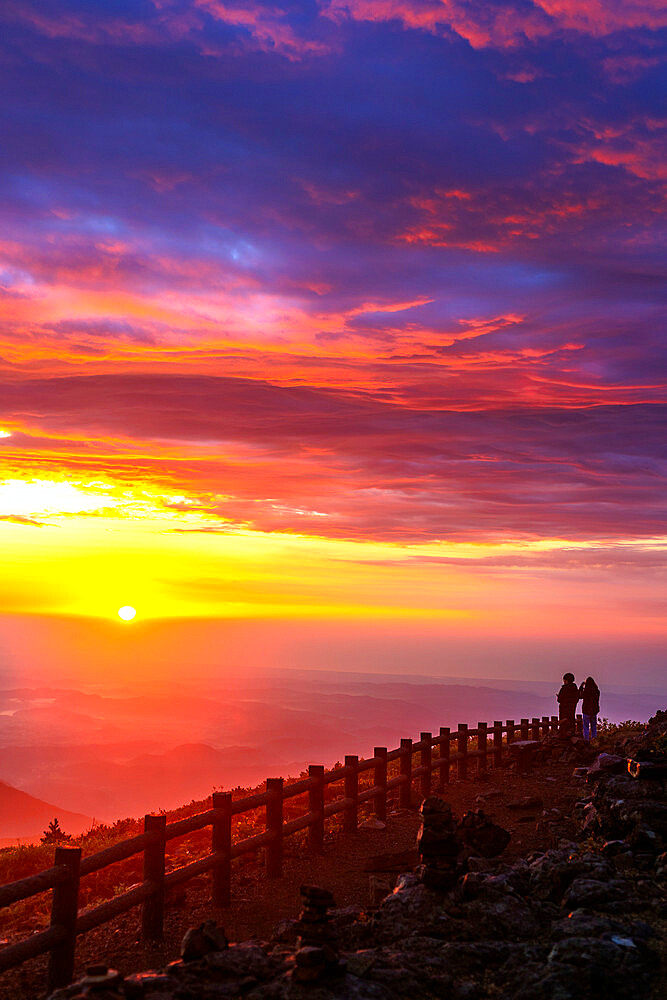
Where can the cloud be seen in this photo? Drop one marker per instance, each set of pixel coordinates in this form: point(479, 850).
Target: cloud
point(505, 25)
point(20, 519)
point(347, 465)
point(386, 270)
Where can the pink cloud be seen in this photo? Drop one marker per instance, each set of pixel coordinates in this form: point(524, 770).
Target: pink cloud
point(506, 25)
point(640, 147)
point(268, 28)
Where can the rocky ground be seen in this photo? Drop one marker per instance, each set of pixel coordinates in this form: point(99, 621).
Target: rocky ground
point(575, 906)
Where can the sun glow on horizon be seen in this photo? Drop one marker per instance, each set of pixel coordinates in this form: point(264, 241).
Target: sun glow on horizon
point(127, 613)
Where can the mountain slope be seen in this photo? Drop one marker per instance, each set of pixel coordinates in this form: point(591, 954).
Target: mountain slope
point(22, 815)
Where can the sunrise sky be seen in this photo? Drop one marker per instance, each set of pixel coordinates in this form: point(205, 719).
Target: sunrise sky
point(339, 310)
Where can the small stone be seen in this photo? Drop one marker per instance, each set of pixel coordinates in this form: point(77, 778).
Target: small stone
point(199, 941)
point(100, 976)
point(624, 942)
point(372, 824)
point(611, 848)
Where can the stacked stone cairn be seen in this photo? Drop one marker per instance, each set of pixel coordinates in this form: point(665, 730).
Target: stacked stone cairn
point(317, 955)
point(444, 845)
point(438, 846)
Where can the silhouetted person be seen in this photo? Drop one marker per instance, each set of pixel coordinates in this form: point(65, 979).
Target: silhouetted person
point(568, 696)
point(590, 707)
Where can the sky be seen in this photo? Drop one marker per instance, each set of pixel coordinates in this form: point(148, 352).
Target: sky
point(346, 311)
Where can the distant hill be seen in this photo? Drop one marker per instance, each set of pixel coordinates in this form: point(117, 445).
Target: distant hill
point(23, 816)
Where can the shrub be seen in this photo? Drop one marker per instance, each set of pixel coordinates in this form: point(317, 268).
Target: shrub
point(54, 835)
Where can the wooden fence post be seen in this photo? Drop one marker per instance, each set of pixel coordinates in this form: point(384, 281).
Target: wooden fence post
point(535, 728)
point(405, 788)
point(510, 731)
point(444, 750)
point(497, 744)
point(316, 805)
point(425, 758)
point(152, 913)
point(274, 826)
point(380, 782)
point(462, 747)
point(351, 792)
point(482, 734)
point(64, 906)
point(555, 727)
point(525, 729)
point(222, 844)
point(546, 725)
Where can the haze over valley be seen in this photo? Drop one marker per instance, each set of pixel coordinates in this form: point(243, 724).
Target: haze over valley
point(113, 754)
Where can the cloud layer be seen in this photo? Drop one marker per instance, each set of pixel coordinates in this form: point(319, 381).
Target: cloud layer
point(385, 270)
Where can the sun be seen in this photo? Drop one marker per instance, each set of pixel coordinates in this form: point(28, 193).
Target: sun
point(127, 613)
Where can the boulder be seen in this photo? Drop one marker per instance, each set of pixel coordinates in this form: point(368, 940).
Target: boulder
point(482, 835)
point(606, 763)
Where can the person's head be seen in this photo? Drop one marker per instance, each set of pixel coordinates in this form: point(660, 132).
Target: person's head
point(568, 678)
point(590, 683)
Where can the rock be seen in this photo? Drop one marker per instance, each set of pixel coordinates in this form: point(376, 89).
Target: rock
point(361, 962)
point(589, 892)
point(99, 978)
point(372, 824)
point(502, 917)
point(611, 964)
point(146, 984)
point(476, 864)
point(285, 932)
point(582, 924)
point(661, 864)
point(606, 763)
point(199, 941)
point(551, 875)
point(310, 957)
point(378, 888)
point(483, 836)
point(242, 961)
point(397, 915)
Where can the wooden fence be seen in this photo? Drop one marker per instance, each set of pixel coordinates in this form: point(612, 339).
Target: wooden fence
point(433, 772)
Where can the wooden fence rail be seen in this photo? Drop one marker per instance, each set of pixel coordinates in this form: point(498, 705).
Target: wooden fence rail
point(63, 879)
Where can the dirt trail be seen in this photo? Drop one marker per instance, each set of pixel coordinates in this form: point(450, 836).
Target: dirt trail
point(258, 904)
